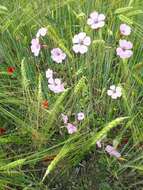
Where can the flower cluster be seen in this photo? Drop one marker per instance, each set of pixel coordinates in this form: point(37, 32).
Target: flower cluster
point(35, 44)
point(109, 149)
point(80, 44)
point(71, 127)
point(124, 51)
point(114, 92)
point(57, 54)
point(55, 85)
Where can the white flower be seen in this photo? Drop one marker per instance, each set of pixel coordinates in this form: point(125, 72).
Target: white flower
point(41, 32)
point(114, 92)
point(96, 20)
point(98, 143)
point(49, 74)
point(80, 116)
point(81, 43)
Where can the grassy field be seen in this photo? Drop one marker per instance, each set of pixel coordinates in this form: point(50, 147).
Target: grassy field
point(37, 152)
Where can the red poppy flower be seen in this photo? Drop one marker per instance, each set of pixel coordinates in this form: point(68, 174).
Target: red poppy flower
point(2, 131)
point(10, 70)
point(45, 104)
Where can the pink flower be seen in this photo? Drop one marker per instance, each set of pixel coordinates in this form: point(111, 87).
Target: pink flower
point(41, 32)
point(49, 74)
point(125, 29)
point(71, 128)
point(35, 47)
point(112, 151)
point(58, 55)
point(114, 92)
point(80, 116)
point(56, 85)
point(124, 51)
point(81, 43)
point(64, 118)
point(96, 20)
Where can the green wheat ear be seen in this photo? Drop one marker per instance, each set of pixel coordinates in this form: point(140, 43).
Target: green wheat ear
point(40, 93)
point(24, 79)
point(71, 150)
point(53, 113)
point(80, 86)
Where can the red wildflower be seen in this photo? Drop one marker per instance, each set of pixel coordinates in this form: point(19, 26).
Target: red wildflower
point(2, 131)
point(10, 70)
point(45, 104)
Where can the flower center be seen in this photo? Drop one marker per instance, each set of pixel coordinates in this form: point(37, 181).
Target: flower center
point(58, 54)
point(81, 42)
point(124, 49)
point(95, 21)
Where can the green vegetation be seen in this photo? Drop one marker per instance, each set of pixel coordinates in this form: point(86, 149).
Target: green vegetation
point(36, 152)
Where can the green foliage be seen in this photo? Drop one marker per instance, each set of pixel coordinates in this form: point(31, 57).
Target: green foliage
point(34, 133)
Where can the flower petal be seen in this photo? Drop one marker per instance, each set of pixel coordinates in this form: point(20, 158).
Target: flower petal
point(101, 17)
point(76, 48)
point(113, 87)
point(83, 49)
point(81, 35)
point(57, 81)
point(90, 21)
point(124, 44)
point(75, 39)
point(51, 81)
point(64, 118)
point(109, 92)
point(94, 15)
point(49, 73)
point(101, 24)
point(125, 54)
point(114, 96)
point(95, 26)
point(87, 41)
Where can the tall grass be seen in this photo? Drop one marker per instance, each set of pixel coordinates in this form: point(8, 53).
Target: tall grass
point(34, 133)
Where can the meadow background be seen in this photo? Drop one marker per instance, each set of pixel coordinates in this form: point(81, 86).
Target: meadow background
point(36, 152)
